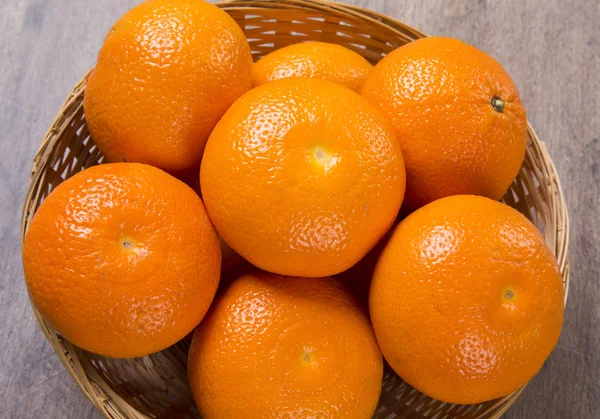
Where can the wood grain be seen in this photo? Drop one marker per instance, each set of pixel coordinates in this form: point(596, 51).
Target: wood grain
point(552, 51)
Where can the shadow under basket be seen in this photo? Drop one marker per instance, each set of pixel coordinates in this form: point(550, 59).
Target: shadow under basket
point(156, 386)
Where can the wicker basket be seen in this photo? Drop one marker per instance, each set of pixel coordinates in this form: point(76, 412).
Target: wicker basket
point(156, 386)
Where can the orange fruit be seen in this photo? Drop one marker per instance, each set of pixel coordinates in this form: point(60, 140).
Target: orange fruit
point(319, 60)
point(302, 177)
point(122, 260)
point(457, 115)
point(285, 347)
point(166, 73)
point(466, 300)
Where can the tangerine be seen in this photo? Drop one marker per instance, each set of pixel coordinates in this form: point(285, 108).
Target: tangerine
point(285, 347)
point(457, 115)
point(302, 177)
point(466, 300)
point(122, 260)
point(320, 60)
point(166, 73)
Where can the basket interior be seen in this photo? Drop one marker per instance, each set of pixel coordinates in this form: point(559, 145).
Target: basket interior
point(156, 386)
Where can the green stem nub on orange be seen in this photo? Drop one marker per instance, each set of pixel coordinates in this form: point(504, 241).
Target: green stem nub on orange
point(497, 104)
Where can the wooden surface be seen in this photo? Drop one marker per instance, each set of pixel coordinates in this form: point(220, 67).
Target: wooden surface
point(552, 51)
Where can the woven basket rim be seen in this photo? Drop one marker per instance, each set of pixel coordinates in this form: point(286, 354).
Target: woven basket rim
point(51, 138)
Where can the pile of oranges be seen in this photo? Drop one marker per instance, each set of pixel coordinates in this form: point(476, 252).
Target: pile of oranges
point(325, 185)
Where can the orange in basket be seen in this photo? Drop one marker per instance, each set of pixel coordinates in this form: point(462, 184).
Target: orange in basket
point(285, 347)
point(302, 177)
point(318, 60)
point(466, 300)
point(167, 71)
point(122, 260)
point(457, 115)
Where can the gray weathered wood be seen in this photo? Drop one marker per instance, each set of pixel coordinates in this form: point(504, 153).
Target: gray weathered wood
point(552, 51)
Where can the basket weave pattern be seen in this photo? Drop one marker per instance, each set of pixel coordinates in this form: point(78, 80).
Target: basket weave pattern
point(156, 386)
